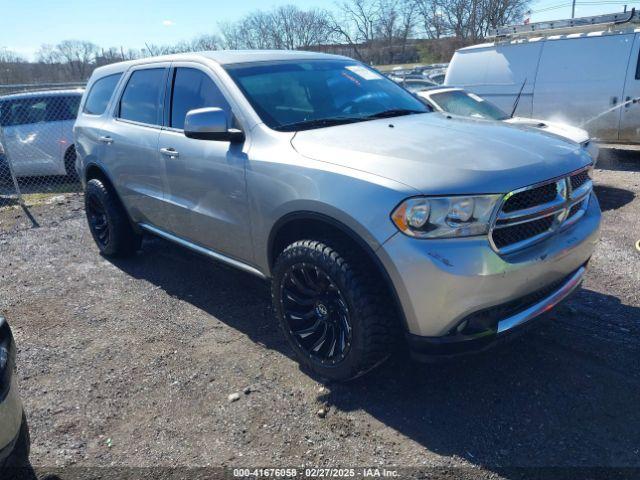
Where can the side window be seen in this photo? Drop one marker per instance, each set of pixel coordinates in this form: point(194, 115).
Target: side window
point(24, 112)
point(62, 108)
point(193, 89)
point(100, 94)
point(142, 96)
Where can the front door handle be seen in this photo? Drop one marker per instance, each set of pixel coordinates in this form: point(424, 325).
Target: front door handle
point(106, 139)
point(170, 152)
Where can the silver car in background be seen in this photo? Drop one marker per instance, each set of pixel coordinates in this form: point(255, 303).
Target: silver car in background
point(376, 220)
point(36, 132)
point(460, 102)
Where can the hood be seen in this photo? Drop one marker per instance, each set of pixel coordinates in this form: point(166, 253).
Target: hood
point(439, 154)
point(575, 134)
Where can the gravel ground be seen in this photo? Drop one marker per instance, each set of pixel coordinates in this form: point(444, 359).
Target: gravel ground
point(132, 364)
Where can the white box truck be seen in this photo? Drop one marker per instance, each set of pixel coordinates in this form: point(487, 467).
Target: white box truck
point(584, 72)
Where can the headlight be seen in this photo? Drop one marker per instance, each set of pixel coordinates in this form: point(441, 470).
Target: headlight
point(444, 217)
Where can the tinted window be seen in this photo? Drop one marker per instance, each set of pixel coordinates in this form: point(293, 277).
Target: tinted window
point(100, 94)
point(468, 105)
point(193, 89)
point(38, 110)
point(62, 108)
point(310, 94)
point(141, 99)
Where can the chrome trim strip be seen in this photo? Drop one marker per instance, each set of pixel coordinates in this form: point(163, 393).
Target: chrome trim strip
point(537, 211)
point(205, 251)
point(543, 214)
point(543, 305)
point(582, 191)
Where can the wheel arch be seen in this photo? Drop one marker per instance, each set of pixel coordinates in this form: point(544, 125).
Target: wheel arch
point(302, 224)
point(93, 170)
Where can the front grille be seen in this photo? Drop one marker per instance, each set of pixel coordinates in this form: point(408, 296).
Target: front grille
point(575, 209)
point(531, 198)
point(531, 214)
point(579, 179)
point(523, 231)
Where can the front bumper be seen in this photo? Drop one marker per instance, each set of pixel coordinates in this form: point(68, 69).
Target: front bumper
point(441, 284)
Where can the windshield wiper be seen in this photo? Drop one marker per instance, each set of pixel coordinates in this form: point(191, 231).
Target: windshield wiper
point(317, 123)
point(394, 112)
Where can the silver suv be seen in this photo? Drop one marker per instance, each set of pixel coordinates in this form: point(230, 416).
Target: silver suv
point(375, 220)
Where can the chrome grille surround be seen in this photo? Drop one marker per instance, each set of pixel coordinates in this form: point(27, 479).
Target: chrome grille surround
point(565, 209)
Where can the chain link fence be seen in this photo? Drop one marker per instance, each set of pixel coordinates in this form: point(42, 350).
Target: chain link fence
point(37, 153)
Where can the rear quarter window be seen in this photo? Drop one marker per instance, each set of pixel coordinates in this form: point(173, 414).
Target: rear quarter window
point(100, 94)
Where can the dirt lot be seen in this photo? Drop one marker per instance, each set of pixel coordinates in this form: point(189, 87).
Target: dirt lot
point(131, 363)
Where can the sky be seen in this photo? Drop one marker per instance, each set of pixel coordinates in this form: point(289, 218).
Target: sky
point(27, 24)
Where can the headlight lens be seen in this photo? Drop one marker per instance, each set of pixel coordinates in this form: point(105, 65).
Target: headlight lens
point(445, 217)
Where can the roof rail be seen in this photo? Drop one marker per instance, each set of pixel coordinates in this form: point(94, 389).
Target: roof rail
point(571, 25)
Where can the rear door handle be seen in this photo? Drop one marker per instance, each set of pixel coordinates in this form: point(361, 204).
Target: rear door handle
point(170, 152)
point(106, 139)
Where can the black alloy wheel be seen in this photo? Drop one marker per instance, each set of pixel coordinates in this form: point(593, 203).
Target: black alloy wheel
point(317, 313)
point(98, 221)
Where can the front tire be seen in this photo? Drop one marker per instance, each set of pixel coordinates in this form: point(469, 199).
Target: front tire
point(108, 221)
point(332, 309)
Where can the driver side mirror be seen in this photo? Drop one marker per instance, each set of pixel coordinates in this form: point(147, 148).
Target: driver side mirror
point(211, 123)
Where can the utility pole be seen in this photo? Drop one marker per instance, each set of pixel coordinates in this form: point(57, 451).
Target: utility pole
point(573, 9)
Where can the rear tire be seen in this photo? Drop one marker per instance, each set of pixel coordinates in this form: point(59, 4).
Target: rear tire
point(70, 164)
point(316, 286)
point(108, 221)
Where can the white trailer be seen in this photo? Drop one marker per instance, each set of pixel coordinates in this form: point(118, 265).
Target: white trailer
point(584, 72)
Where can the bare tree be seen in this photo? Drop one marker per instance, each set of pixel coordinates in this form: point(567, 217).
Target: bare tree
point(9, 63)
point(206, 42)
point(286, 27)
point(467, 19)
point(76, 56)
point(357, 23)
point(431, 17)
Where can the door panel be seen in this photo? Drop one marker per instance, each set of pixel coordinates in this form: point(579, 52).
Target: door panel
point(138, 169)
point(131, 146)
point(630, 113)
point(206, 196)
point(581, 81)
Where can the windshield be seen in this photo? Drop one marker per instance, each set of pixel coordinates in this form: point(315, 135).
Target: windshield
point(291, 96)
point(468, 105)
